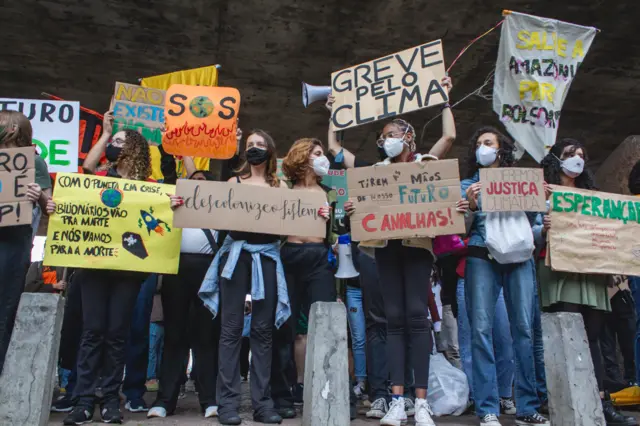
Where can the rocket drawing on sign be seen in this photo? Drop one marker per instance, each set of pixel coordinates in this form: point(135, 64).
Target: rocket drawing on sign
point(152, 223)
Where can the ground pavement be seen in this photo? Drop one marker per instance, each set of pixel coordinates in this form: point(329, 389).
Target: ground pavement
point(188, 414)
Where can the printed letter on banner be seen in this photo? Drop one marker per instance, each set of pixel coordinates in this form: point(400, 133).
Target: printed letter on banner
point(405, 200)
point(386, 87)
point(511, 189)
point(538, 59)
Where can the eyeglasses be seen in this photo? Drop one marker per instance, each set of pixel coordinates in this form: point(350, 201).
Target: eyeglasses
point(382, 138)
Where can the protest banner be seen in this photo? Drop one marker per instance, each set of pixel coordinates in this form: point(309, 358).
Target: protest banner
point(107, 223)
point(139, 94)
point(594, 232)
point(538, 58)
point(17, 170)
point(337, 180)
point(55, 130)
point(405, 200)
point(385, 87)
point(201, 121)
point(511, 189)
point(139, 108)
point(237, 207)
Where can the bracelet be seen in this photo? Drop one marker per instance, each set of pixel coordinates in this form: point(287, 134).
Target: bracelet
point(445, 106)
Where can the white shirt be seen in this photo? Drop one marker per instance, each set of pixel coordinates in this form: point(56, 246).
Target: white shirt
point(195, 241)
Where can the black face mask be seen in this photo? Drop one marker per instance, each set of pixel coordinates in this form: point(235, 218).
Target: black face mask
point(256, 156)
point(112, 153)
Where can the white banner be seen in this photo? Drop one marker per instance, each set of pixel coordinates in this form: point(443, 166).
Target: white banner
point(56, 127)
point(537, 61)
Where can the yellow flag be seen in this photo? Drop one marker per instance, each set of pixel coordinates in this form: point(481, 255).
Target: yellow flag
point(205, 76)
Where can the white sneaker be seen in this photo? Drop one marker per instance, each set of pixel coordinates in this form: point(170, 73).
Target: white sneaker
point(157, 412)
point(490, 420)
point(211, 411)
point(396, 416)
point(423, 413)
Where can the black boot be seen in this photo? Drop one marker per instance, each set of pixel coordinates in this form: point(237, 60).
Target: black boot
point(612, 416)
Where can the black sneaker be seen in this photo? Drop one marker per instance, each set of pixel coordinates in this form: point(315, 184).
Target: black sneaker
point(269, 417)
point(507, 406)
point(111, 415)
point(287, 412)
point(298, 393)
point(378, 409)
point(230, 418)
point(64, 404)
point(612, 416)
point(79, 416)
point(534, 419)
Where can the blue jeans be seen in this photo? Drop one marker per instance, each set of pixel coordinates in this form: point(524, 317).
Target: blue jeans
point(538, 351)
point(137, 349)
point(634, 284)
point(502, 344)
point(483, 284)
point(358, 331)
point(156, 344)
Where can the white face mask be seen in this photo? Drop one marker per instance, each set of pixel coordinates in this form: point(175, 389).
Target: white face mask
point(394, 146)
point(573, 166)
point(486, 156)
point(321, 165)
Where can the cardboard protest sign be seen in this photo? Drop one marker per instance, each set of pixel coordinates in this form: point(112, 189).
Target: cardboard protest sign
point(538, 58)
point(107, 223)
point(201, 121)
point(510, 189)
point(140, 109)
point(594, 232)
point(17, 170)
point(385, 87)
point(405, 200)
point(337, 180)
point(250, 208)
point(55, 130)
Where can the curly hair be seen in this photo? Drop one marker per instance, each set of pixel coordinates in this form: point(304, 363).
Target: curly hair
point(634, 179)
point(505, 152)
point(271, 173)
point(553, 170)
point(15, 129)
point(135, 156)
point(295, 165)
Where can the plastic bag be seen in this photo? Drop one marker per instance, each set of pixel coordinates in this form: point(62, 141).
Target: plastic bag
point(509, 237)
point(448, 393)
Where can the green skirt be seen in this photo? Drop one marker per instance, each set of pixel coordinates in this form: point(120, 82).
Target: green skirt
point(569, 287)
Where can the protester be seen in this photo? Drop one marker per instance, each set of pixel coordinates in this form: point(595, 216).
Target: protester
point(248, 263)
point(156, 341)
point(634, 282)
point(108, 296)
point(15, 241)
point(572, 292)
point(185, 314)
point(485, 278)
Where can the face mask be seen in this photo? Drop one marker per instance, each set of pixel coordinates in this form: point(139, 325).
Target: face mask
point(321, 166)
point(393, 146)
point(257, 156)
point(573, 166)
point(112, 153)
point(486, 156)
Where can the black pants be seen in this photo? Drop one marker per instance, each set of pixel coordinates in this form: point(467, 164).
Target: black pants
point(71, 333)
point(593, 323)
point(619, 328)
point(186, 316)
point(108, 299)
point(232, 297)
point(310, 279)
point(449, 278)
point(244, 357)
point(15, 254)
point(405, 274)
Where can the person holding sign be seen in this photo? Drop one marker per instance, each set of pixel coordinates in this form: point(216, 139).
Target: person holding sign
point(108, 296)
point(571, 292)
point(485, 277)
point(248, 263)
point(309, 275)
point(634, 281)
point(15, 241)
point(404, 266)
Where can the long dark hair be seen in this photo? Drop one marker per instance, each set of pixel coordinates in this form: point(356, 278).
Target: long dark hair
point(505, 152)
point(271, 173)
point(553, 170)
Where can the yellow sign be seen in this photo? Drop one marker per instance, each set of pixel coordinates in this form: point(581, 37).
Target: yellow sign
point(205, 76)
point(107, 223)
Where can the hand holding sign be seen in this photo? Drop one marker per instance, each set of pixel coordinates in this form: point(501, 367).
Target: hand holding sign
point(201, 121)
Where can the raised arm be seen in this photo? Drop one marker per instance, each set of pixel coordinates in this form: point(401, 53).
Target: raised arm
point(93, 157)
point(335, 145)
point(189, 165)
point(444, 144)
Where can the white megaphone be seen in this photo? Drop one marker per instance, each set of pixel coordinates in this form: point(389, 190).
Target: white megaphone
point(345, 262)
point(311, 94)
